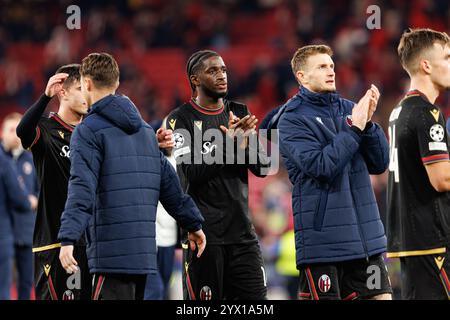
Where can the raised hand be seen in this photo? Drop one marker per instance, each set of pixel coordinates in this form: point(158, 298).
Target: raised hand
point(240, 128)
point(248, 126)
point(360, 111)
point(54, 84)
point(237, 126)
point(373, 102)
point(233, 121)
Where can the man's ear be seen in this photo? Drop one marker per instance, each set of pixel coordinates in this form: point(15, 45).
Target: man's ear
point(194, 80)
point(61, 94)
point(425, 66)
point(301, 77)
point(88, 84)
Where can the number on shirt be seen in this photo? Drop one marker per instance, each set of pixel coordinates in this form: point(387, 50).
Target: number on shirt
point(393, 154)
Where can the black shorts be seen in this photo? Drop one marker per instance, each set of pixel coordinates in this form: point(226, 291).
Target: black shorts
point(347, 280)
point(54, 283)
point(426, 277)
point(113, 286)
point(224, 272)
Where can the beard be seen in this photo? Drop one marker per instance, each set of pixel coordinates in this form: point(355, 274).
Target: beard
point(214, 94)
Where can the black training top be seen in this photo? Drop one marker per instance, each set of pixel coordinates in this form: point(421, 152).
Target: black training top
point(219, 189)
point(418, 221)
point(49, 140)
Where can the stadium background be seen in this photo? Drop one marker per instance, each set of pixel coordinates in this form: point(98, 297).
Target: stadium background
point(152, 39)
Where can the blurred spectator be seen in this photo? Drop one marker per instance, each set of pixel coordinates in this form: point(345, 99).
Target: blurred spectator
point(59, 49)
point(286, 265)
point(23, 222)
point(12, 196)
point(275, 27)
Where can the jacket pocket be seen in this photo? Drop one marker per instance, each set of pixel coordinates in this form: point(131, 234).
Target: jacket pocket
point(320, 210)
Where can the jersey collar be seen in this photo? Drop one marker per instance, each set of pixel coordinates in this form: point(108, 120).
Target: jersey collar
point(204, 110)
point(62, 122)
point(416, 93)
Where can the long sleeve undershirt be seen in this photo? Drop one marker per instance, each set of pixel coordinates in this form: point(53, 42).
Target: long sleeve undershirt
point(26, 130)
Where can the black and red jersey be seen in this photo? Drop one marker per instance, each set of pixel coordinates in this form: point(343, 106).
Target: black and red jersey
point(51, 155)
point(48, 138)
point(219, 189)
point(418, 217)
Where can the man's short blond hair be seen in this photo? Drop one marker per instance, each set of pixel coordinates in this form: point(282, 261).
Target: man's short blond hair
point(302, 54)
point(102, 68)
point(414, 42)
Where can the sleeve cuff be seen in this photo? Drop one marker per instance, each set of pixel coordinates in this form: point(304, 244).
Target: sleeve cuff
point(45, 99)
point(67, 243)
point(356, 130)
point(356, 133)
point(369, 126)
point(194, 228)
point(435, 158)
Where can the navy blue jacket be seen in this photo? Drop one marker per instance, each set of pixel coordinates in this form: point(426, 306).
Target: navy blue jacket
point(117, 176)
point(12, 197)
point(336, 216)
point(23, 222)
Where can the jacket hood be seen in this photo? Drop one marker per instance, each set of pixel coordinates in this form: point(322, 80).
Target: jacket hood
point(120, 111)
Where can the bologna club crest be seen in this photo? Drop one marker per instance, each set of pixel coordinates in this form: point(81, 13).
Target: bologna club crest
point(68, 295)
point(349, 120)
point(205, 293)
point(324, 283)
